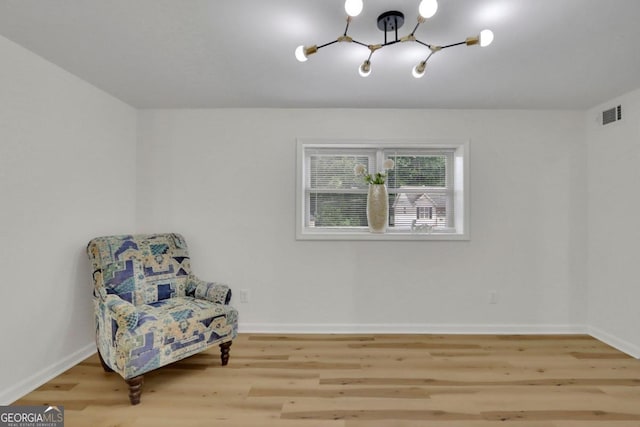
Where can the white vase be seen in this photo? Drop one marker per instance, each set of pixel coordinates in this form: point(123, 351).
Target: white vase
point(377, 208)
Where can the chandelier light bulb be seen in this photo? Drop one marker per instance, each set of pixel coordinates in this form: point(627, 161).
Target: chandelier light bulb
point(418, 70)
point(428, 8)
point(486, 37)
point(365, 69)
point(300, 55)
point(353, 7)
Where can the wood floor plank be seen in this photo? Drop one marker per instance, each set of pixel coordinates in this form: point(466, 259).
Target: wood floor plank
point(560, 415)
point(367, 380)
point(556, 382)
point(448, 423)
point(380, 414)
point(333, 393)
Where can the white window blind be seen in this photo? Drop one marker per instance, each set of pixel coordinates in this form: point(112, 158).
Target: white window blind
point(335, 196)
point(426, 189)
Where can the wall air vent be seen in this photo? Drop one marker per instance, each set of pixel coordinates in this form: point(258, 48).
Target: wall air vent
point(611, 115)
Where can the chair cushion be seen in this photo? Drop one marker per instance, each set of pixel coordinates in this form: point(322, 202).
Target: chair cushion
point(164, 277)
point(185, 322)
point(121, 278)
point(157, 278)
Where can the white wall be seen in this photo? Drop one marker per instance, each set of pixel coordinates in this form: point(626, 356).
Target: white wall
point(67, 173)
point(226, 180)
point(614, 224)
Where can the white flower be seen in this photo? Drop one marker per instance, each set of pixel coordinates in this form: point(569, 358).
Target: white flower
point(388, 164)
point(359, 169)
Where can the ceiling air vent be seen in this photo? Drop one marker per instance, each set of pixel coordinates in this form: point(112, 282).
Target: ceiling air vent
point(611, 115)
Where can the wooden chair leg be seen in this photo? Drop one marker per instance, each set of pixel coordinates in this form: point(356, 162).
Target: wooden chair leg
point(224, 352)
point(104, 364)
point(135, 388)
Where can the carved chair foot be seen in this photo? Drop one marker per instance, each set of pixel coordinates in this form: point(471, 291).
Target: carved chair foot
point(224, 352)
point(104, 364)
point(135, 388)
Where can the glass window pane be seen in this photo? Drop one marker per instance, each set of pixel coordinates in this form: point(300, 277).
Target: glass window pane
point(336, 171)
point(337, 210)
point(418, 171)
point(415, 209)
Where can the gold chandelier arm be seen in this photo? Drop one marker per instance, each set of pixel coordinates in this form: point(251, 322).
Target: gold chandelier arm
point(421, 20)
point(456, 44)
point(327, 44)
point(347, 27)
point(430, 55)
point(372, 49)
point(360, 43)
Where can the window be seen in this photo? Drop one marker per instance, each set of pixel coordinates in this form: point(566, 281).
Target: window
point(427, 188)
point(426, 212)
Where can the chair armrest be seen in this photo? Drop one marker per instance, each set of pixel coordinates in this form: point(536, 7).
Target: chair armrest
point(210, 291)
point(125, 313)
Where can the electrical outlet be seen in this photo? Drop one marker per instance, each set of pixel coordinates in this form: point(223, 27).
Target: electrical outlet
point(493, 297)
point(244, 296)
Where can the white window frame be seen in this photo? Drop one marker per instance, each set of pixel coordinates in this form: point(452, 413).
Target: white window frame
point(459, 175)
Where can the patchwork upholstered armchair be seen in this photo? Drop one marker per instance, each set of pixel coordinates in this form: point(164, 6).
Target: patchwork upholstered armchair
point(150, 309)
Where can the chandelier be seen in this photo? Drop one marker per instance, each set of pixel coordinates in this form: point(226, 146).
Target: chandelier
point(390, 22)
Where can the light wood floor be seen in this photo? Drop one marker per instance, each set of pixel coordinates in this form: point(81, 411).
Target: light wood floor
point(367, 381)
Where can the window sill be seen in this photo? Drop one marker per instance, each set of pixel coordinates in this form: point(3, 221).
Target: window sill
point(364, 234)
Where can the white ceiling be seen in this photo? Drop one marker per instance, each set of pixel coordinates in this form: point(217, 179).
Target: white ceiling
point(565, 54)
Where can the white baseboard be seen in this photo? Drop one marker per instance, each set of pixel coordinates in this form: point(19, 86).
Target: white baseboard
point(407, 328)
point(615, 342)
point(36, 380)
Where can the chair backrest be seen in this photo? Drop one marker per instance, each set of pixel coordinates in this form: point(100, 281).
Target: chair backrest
point(140, 268)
